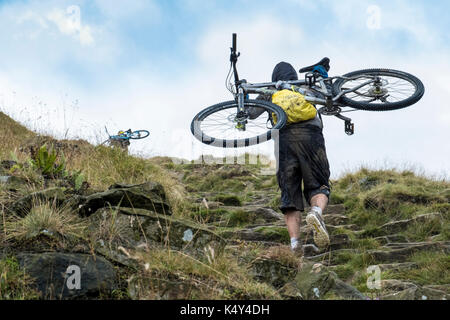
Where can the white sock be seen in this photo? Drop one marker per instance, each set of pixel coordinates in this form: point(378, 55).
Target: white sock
point(317, 209)
point(294, 243)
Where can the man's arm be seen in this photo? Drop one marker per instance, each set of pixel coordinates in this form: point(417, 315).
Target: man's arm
point(255, 112)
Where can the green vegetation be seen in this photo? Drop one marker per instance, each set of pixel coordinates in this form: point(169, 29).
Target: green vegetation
point(433, 269)
point(45, 162)
point(274, 233)
point(373, 198)
point(15, 284)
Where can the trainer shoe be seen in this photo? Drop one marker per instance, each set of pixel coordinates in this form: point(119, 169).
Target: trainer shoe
point(315, 221)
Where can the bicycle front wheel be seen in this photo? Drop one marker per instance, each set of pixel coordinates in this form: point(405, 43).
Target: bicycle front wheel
point(139, 134)
point(386, 89)
point(221, 126)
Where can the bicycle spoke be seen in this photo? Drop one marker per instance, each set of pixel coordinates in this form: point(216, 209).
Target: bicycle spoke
point(393, 89)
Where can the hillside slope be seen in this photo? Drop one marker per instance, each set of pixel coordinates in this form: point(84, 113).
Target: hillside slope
point(154, 229)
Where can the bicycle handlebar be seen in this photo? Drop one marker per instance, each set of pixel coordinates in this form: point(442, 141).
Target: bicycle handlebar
point(234, 43)
point(234, 56)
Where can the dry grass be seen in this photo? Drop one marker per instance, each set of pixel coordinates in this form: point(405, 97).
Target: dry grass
point(12, 136)
point(44, 216)
point(217, 277)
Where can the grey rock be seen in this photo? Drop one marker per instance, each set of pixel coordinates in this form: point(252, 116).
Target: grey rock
point(396, 285)
point(132, 227)
point(149, 196)
point(417, 293)
point(398, 266)
point(347, 291)
point(272, 271)
point(4, 179)
point(314, 281)
point(402, 254)
point(51, 279)
point(268, 214)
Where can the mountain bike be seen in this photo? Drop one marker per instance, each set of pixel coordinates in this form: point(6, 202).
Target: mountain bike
point(125, 136)
point(230, 125)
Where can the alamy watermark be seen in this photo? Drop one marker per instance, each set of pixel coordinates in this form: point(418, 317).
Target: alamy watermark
point(268, 166)
point(373, 21)
point(73, 277)
point(374, 280)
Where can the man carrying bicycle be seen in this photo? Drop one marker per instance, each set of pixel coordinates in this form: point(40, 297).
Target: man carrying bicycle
point(301, 159)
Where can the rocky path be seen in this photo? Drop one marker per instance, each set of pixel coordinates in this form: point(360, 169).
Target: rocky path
point(227, 209)
point(265, 229)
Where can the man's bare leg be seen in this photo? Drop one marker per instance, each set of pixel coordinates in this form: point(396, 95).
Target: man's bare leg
point(293, 219)
point(314, 219)
point(319, 200)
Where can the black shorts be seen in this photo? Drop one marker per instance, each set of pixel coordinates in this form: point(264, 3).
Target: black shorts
point(301, 158)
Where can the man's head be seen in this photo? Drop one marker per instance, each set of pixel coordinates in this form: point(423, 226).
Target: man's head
point(284, 71)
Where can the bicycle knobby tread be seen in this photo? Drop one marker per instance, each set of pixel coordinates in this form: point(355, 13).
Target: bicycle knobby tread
point(388, 106)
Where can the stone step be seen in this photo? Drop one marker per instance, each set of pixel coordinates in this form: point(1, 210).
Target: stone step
point(403, 253)
point(329, 258)
point(400, 225)
point(401, 266)
point(417, 293)
point(392, 238)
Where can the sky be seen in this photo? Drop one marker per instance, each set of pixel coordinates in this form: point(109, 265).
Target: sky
point(70, 68)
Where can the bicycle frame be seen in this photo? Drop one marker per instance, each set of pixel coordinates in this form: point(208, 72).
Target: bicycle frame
point(330, 102)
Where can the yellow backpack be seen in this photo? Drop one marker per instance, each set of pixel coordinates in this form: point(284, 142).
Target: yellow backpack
point(294, 105)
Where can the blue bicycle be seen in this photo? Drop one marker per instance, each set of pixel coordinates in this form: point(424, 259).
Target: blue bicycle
point(123, 137)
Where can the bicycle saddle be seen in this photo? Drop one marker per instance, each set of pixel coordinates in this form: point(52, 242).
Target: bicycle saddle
point(325, 62)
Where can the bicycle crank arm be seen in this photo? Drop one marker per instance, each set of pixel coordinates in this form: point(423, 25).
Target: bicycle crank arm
point(349, 126)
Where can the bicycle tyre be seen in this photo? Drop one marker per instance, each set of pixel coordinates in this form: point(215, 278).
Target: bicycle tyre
point(237, 143)
point(385, 106)
point(141, 134)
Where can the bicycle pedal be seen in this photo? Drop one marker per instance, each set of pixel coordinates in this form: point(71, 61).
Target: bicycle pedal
point(349, 128)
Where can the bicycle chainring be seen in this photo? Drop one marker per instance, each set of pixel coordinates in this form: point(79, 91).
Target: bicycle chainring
point(330, 111)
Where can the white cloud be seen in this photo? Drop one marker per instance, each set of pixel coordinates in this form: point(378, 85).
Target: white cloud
point(69, 23)
point(119, 10)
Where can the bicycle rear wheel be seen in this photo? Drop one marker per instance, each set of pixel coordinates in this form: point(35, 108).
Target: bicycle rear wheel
point(220, 125)
point(139, 134)
point(389, 90)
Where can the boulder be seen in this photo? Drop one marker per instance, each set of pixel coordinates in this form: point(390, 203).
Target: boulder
point(313, 281)
point(398, 266)
point(149, 196)
point(272, 271)
point(417, 293)
point(268, 214)
point(129, 228)
point(396, 285)
point(55, 274)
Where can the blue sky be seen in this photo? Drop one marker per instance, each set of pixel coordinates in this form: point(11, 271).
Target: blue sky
point(155, 64)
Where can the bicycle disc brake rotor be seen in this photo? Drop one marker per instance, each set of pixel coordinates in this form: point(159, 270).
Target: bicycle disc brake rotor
point(239, 120)
point(378, 89)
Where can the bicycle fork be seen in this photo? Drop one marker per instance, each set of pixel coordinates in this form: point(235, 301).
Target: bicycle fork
point(241, 117)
